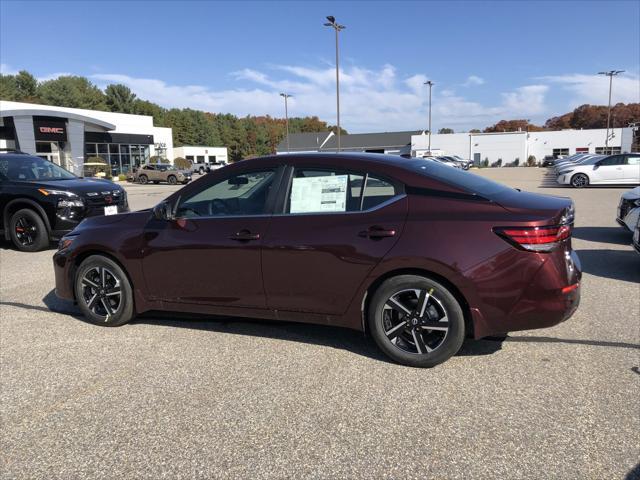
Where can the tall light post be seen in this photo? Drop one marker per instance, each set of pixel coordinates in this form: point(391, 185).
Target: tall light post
point(610, 74)
point(337, 27)
point(431, 84)
point(286, 97)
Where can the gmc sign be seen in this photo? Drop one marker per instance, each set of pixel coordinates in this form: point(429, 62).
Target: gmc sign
point(51, 129)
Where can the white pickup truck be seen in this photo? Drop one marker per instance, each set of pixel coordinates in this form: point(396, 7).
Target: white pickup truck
point(203, 167)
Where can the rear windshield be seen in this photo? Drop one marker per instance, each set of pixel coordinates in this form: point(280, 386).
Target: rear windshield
point(470, 182)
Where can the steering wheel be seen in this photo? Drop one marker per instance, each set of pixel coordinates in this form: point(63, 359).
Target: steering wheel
point(218, 206)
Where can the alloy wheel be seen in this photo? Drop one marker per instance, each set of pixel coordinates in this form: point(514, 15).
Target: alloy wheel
point(579, 181)
point(415, 321)
point(101, 291)
point(26, 231)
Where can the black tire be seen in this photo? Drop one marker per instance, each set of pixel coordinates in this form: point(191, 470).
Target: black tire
point(28, 231)
point(143, 179)
point(201, 171)
point(406, 337)
point(172, 180)
point(579, 180)
point(97, 280)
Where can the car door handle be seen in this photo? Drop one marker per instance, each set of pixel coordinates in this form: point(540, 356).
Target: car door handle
point(245, 236)
point(377, 232)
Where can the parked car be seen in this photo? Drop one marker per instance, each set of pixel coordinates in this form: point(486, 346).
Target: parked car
point(293, 239)
point(636, 237)
point(41, 202)
point(629, 209)
point(161, 173)
point(461, 162)
point(548, 161)
point(621, 169)
point(578, 160)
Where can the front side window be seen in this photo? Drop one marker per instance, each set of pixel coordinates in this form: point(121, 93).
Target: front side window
point(613, 160)
point(243, 194)
point(333, 191)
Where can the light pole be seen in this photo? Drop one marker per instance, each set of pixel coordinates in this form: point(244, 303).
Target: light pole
point(610, 74)
point(430, 83)
point(286, 115)
point(337, 27)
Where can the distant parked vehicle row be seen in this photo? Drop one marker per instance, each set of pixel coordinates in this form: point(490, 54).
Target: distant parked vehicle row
point(620, 169)
point(628, 214)
point(451, 161)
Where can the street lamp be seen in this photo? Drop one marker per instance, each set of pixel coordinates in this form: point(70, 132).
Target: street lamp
point(610, 74)
point(430, 83)
point(337, 27)
point(286, 115)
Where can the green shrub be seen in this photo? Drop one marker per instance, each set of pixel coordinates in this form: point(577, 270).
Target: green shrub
point(531, 161)
point(182, 163)
point(122, 177)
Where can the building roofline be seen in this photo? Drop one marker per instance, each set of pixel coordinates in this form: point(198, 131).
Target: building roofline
point(31, 112)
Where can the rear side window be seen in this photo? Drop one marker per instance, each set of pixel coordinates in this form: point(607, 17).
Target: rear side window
point(633, 160)
point(332, 191)
point(474, 184)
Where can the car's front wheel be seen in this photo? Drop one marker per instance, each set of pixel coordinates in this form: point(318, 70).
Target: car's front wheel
point(416, 321)
point(28, 232)
point(103, 292)
point(143, 179)
point(172, 180)
point(579, 180)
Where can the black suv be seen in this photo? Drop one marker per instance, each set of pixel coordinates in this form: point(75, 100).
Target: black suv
point(40, 201)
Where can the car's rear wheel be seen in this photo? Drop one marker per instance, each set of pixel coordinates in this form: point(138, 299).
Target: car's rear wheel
point(172, 179)
point(201, 170)
point(579, 180)
point(28, 231)
point(416, 321)
point(103, 292)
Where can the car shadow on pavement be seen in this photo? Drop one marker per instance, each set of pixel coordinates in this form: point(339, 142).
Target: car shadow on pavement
point(616, 235)
point(616, 264)
point(329, 336)
point(634, 473)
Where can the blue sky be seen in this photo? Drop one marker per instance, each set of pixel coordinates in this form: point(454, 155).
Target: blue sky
point(488, 60)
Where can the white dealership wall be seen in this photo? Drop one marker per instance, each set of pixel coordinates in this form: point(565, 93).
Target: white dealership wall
point(194, 151)
point(82, 120)
point(511, 145)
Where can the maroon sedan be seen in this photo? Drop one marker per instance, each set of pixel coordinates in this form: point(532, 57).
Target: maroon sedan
point(416, 253)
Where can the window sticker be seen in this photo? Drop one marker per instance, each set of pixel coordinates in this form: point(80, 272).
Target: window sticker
point(319, 194)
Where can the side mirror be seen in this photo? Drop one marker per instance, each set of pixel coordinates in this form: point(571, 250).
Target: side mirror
point(163, 211)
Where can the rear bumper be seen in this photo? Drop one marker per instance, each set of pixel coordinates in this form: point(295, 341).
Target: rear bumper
point(552, 296)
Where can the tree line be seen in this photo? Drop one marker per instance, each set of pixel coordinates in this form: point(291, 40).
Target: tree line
point(249, 136)
point(583, 117)
point(245, 137)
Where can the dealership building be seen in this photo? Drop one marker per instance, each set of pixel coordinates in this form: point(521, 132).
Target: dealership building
point(505, 146)
point(71, 136)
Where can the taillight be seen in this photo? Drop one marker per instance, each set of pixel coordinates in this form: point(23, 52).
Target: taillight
point(536, 239)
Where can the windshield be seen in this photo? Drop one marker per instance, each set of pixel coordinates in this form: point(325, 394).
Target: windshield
point(25, 168)
point(459, 178)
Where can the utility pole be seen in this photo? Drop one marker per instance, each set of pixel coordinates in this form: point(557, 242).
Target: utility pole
point(610, 74)
point(430, 83)
point(337, 27)
point(286, 115)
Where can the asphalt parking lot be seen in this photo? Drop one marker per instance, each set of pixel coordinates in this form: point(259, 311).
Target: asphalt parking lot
point(170, 397)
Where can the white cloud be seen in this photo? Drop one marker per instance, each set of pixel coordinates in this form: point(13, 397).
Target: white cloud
point(594, 89)
point(7, 70)
point(370, 100)
point(473, 80)
point(527, 100)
